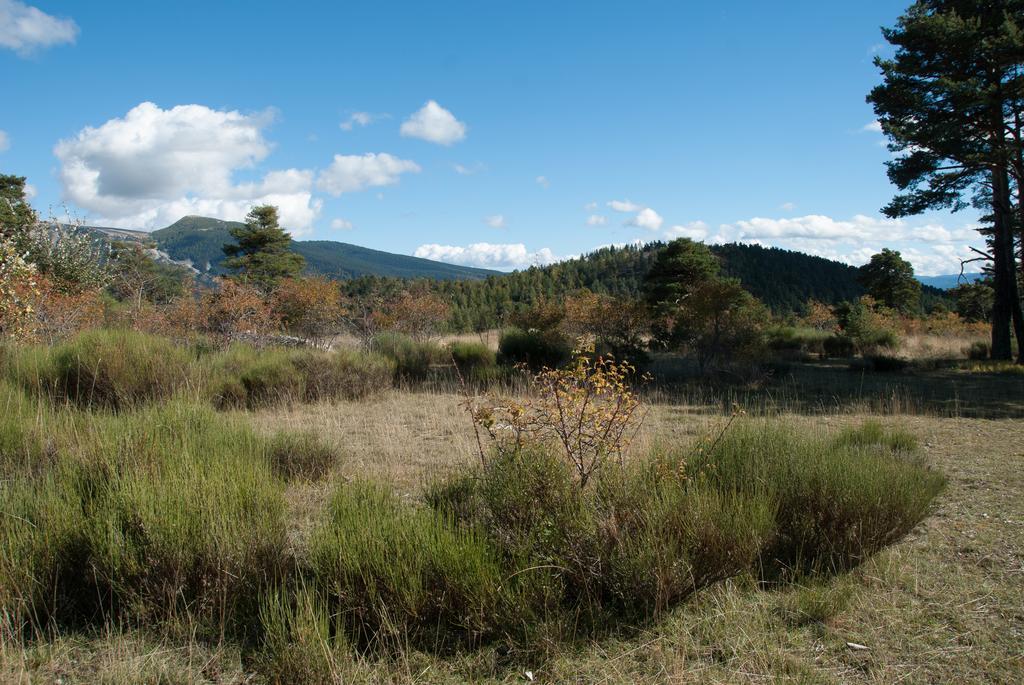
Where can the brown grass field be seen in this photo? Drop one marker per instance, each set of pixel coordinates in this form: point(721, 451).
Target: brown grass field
point(946, 604)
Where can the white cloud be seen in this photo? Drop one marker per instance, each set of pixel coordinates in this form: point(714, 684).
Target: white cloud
point(596, 220)
point(25, 29)
point(435, 124)
point(487, 255)
point(5, 141)
point(30, 191)
point(817, 227)
point(873, 127)
point(543, 181)
point(154, 166)
point(931, 248)
point(495, 221)
point(624, 206)
point(647, 218)
point(695, 230)
point(590, 206)
point(352, 173)
point(787, 206)
point(341, 225)
point(356, 119)
point(361, 119)
point(469, 170)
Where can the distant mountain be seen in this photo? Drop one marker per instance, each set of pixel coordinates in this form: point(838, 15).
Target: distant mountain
point(950, 280)
point(199, 241)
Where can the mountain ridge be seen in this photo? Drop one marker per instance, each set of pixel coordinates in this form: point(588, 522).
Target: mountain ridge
point(198, 241)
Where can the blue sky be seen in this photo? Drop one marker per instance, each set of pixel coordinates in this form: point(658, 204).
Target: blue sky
point(488, 133)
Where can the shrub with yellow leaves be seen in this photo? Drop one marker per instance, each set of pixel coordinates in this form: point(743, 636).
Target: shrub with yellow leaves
point(588, 408)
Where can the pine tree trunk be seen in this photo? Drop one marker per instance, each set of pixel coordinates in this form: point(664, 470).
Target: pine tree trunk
point(1005, 278)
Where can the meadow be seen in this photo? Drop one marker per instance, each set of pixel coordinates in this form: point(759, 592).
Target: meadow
point(197, 513)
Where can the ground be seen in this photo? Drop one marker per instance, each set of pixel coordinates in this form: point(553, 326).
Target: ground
point(944, 605)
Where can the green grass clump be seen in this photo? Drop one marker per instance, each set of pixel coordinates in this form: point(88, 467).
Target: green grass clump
point(533, 349)
point(835, 502)
point(300, 455)
point(301, 640)
point(163, 514)
point(395, 571)
point(627, 547)
point(112, 369)
point(873, 435)
point(244, 377)
point(344, 374)
point(472, 358)
point(797, 339)
point(412, 358)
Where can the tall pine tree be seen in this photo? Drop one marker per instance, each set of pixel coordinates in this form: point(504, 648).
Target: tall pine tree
point(950, 104)
point(262, 255)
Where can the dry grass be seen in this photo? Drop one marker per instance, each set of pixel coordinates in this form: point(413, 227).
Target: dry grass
point(944, 605)
point(926, 346)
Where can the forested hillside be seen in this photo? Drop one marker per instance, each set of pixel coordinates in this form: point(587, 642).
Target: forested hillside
point(782, 279)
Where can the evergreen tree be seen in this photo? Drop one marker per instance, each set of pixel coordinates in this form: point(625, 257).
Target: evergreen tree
point(679, 268)
point(16, 215)
point(889, 279)
point(262, 255)
point(951, 104)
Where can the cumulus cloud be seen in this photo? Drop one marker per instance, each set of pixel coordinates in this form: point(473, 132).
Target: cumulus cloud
point(495, 221)
point(5, 142)
point(361, 119)
point(153, 166)
point(817, 227)
point(352, 173)
point(647, 218)
point(464, 170)
point(25, 29)
point(435, 124)
point(931, 248)
point(873, 127)
point(341, 225)
point(695, 230)
point(624, 206)
point(596, 220)
point(487, 255)
point(543, 181)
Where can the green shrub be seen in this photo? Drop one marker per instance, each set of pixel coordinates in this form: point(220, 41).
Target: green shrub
point(116, 369)
point(345, 374)
point(272, 380)
point(797, 339)
point(300, 455)
point(978, 351)
point(534, 349)
point(395, 571)
point(471, 358)
point(143, 517)
point(880, 363)
point(839, 345)
point(629, 546)
point(412, 358)
point(835, 502)
point(872, 434)
point(245, 377)
point(301, 640)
